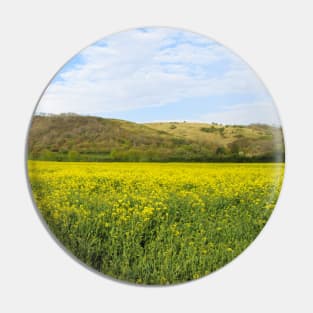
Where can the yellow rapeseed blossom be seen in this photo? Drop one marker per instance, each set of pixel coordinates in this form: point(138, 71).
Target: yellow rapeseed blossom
point(155, 223)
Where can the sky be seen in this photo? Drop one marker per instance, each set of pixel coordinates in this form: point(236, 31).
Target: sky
point(160, 74)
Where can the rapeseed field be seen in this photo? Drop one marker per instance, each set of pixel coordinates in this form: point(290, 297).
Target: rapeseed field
point(155, 223)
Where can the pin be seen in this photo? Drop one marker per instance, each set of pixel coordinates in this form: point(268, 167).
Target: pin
point(155, 156)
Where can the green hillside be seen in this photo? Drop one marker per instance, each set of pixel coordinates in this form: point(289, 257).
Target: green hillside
point(69, 137)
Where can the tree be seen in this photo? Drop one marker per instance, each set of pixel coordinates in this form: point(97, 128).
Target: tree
point(47, 155)
point(220, 150)
point(73, 155)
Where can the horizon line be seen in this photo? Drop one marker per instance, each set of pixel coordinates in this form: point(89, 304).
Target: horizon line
point(155, 121)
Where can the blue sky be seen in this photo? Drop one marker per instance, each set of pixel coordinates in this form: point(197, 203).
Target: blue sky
point(160, 74)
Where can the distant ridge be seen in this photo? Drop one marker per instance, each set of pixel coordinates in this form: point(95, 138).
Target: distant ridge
point(71, 137)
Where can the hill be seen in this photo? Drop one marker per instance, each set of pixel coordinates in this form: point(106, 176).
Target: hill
point(69, 137)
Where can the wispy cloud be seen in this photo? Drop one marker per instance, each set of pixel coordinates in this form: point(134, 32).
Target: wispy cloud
point(145, 68)
point(246, 113)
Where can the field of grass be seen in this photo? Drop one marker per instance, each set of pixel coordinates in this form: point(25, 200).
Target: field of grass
point(155, 223)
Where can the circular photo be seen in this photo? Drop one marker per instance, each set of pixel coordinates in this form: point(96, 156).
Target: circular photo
point(155, 156)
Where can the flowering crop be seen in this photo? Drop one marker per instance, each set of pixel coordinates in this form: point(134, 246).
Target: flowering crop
point(155, 223)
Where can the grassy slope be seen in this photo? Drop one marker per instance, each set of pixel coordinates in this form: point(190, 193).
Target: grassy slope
point(72, 137)
point(91, 134)
point(253, 139)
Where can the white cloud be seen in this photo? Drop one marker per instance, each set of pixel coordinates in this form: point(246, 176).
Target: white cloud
point(138, 69)
point(246, 113)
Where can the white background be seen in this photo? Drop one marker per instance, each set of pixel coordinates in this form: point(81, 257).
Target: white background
point(275, 273)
